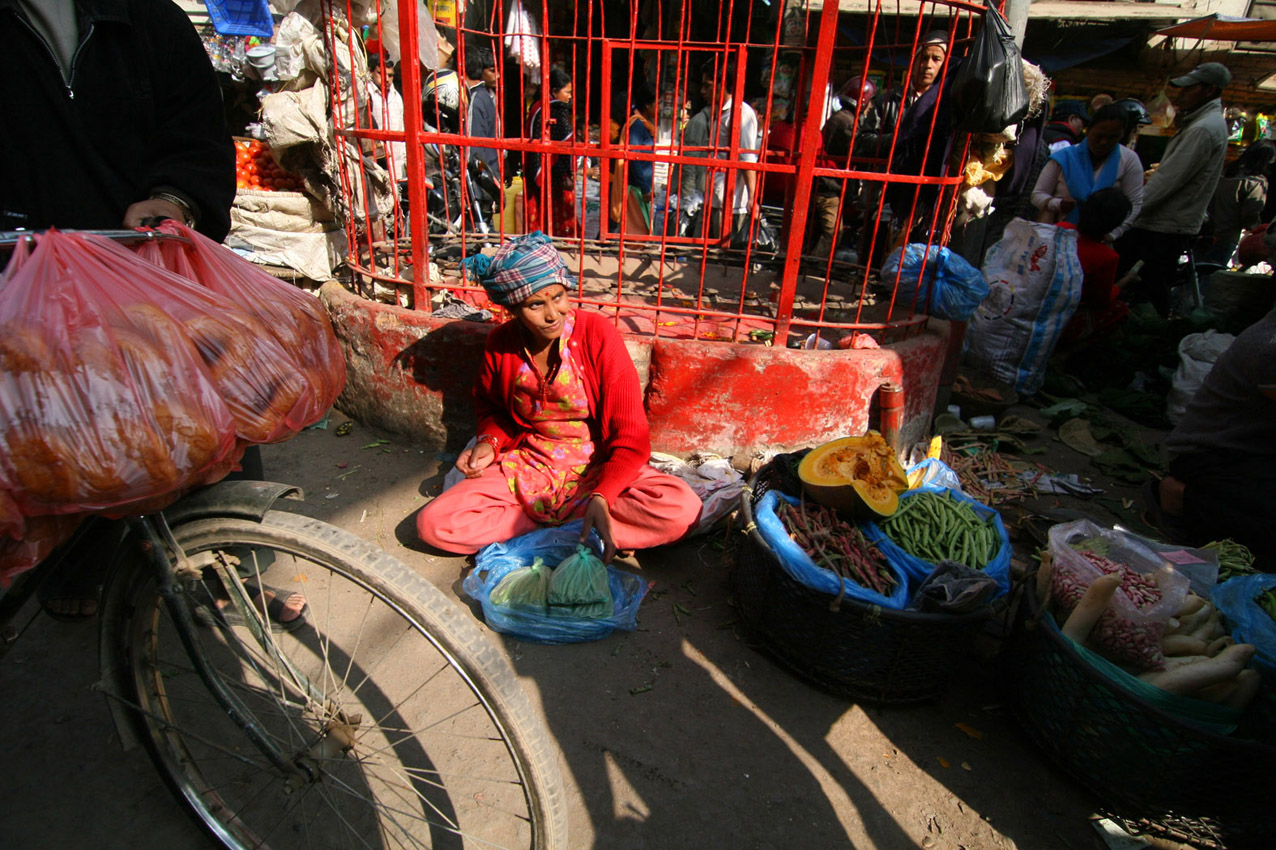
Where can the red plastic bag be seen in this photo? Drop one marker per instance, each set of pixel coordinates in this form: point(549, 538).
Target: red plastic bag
point(294, 318)
point(253, 373)
point(104, 401)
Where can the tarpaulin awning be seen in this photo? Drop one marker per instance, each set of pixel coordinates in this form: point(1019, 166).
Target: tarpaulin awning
point(1224, 28)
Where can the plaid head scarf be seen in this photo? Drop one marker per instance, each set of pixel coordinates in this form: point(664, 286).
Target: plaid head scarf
point(521, 267)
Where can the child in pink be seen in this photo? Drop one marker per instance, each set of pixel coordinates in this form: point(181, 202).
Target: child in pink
point(561, 429)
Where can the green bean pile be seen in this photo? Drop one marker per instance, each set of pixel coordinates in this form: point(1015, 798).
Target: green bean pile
point(1233, 559)
point(936, 527)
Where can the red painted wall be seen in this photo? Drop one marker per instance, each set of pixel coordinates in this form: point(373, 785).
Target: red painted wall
point(412, 374)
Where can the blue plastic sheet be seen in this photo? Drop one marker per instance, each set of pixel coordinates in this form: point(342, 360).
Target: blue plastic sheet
point(954, 288)
point(916, 569)
point(802, 569)
point(1234, 599)
point(551, 545)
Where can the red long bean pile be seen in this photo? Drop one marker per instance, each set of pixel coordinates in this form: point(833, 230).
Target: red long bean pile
point(836, 545)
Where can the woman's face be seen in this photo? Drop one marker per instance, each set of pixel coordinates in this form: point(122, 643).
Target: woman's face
point(564, 94)
point(543, 313)
point(1103, 138)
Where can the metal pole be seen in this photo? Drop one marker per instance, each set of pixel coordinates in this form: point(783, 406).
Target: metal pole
point(1016, 15)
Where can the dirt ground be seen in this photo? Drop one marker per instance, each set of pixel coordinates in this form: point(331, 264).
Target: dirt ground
point(678, 735)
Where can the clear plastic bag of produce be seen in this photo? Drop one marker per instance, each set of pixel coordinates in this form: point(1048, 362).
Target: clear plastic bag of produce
point(1249, 623)
point(799, 565)
point(1152, 589)
point(919, 568)
point(552, 545)
point(105, 402)
point(295, 319)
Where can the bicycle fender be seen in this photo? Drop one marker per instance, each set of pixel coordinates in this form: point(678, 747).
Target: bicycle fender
point(239, 499)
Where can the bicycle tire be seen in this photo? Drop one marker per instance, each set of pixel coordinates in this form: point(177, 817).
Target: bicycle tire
point(494, 782)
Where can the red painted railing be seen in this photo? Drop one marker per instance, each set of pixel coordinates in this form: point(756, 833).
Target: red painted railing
point(682, 279)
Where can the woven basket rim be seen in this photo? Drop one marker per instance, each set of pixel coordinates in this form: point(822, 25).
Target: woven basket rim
point(1061, 644)
point(848, 602)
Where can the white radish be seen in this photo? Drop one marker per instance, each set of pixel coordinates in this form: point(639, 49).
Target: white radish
point(1218, 645)
point(1211, 629)
point(1091, 607)
point(1193, 677)
point(1183, 645)
point(1247, 683)
point(1191, 604)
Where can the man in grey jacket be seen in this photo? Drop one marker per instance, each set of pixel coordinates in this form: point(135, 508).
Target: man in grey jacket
point(1179, 192)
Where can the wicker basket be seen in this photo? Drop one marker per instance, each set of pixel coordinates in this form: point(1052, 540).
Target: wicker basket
point(1149, 768)
point(860, 651)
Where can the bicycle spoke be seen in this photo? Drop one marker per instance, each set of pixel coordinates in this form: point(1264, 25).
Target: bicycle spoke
point(378, 723)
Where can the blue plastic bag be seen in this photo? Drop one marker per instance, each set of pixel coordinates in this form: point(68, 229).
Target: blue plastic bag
point(1234, 599)
point(917, 570)
point(954, 288)
point(802, 569)
point(551, 545)
point(932, 474)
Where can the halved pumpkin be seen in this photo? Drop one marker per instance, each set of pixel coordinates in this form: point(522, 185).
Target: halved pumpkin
point(860, 475)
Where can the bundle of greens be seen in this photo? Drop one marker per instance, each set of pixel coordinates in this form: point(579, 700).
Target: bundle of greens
point(579, 587)
point(525, 587)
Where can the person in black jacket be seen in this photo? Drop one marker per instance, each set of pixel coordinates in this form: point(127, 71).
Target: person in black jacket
point(116, 118)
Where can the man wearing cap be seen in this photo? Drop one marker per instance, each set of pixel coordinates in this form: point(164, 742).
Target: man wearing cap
point(1178, 193)
point(1066, 127)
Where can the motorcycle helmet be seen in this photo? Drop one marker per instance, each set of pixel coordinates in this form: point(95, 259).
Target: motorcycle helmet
point(1138, 112)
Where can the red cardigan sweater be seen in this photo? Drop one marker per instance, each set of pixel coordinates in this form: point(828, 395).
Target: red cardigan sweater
point(617, 422)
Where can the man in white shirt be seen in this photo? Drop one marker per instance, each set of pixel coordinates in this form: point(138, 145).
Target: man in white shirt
point(749, 143)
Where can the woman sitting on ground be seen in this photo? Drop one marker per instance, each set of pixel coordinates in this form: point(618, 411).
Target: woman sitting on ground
point(1096, 162)
point(561, 429)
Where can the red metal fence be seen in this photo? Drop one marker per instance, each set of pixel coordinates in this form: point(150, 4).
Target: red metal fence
point(752, 267)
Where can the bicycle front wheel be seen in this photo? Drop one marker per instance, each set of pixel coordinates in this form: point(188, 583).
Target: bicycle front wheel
point(400, 725)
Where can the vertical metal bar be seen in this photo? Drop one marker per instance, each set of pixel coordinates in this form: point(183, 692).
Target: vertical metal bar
point(804, 176)
point(418, 224)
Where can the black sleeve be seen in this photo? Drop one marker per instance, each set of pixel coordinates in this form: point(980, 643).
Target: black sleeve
point(191, 150)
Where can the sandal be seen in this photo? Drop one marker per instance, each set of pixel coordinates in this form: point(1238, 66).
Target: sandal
point(217, 610)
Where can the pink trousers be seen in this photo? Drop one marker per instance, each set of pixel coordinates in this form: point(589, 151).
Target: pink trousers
point(654, 510)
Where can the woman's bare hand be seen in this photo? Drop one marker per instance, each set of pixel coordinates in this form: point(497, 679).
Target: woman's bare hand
point(598, 518)
point(473, 461)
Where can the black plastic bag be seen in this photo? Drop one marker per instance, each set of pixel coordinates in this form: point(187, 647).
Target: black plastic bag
point(989, 93)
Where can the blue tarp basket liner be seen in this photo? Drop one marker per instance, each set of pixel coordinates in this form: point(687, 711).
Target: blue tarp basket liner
point(1249, 623)
point(241, 17)
point(916, 569)
point(802, 569)
point(551, 545)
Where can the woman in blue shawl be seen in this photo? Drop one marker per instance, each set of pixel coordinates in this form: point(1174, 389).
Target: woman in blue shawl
point(1096, 162)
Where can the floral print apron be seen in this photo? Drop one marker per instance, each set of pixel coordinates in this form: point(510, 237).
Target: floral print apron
point(546, 470)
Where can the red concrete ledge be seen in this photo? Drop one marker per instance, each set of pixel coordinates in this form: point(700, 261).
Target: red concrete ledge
point(411, 374)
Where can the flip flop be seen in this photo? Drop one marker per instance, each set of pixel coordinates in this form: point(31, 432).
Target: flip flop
point(215, 610)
